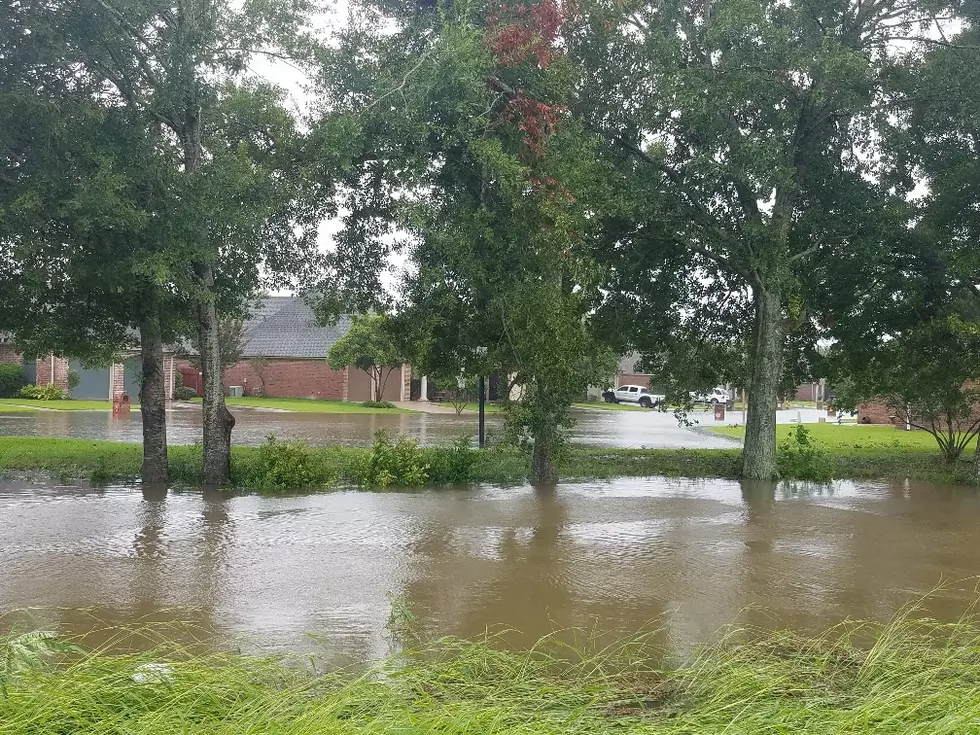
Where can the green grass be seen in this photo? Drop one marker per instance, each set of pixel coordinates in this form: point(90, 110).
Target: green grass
point(915, 678)
point(475, 407)
point(17, 405)
point(603, 406)
point(863, 452)
point(305, 405)
point(852, 453)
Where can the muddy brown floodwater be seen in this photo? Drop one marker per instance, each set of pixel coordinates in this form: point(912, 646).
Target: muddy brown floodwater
point(315, 572)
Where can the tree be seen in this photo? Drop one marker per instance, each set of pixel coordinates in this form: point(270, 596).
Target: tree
point(80, 196)
point(467, 150)
point(232, 341)
point(369, 346)
point(929, 376)
point(174, 72)
point(740, 134)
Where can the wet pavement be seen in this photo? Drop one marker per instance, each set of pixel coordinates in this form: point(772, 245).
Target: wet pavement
point(594, 427)
point(315, 573)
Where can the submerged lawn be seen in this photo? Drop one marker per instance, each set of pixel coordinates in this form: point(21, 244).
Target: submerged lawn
point(307, 405)
point(909, 677)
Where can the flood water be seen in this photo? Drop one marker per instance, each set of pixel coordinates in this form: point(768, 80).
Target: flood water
point(594, 427)
point(688, 555)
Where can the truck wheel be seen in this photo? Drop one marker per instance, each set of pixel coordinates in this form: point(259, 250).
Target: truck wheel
point(645, 402)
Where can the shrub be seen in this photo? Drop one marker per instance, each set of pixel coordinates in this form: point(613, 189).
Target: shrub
point(389, 463)
point(50, 392)
point(72, 380)
point(378, 404)
point(800, 458)
point(283, 466)
point(11, 380)
point(452, 464)
point(182, 393)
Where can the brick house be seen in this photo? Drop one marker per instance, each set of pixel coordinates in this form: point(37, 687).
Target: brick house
point(285, 357)
point(95, 383)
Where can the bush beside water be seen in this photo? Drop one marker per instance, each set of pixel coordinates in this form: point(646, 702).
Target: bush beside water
point(11, 380)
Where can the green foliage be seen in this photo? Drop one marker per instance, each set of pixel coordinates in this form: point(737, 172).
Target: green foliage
point(11, 380)
point(378, 404)
point(919, 676)
point(399, 463)
point(183, 393)
point(800, 457)
point(49, 392)
point(452, 464)
point(370, 346)
point(283, 466)
point(72, 380)
point(29, 653)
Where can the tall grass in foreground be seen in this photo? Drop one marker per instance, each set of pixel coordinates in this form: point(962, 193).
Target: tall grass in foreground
point(917, 677)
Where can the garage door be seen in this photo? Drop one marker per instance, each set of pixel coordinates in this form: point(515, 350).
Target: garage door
point(131, 378)
point(94, 383)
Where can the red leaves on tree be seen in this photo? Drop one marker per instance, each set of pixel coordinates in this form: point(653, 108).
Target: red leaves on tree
point(535, 119)
point(519, 32)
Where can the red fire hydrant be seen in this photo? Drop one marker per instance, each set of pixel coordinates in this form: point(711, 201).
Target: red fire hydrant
point(120, 404)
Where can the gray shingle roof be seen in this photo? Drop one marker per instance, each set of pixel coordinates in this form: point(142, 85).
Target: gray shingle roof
point(284, 326)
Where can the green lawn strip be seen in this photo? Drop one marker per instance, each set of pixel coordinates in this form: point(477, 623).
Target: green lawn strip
point(490, 407)
point(919, 677)
point(603, 406)
point(335, 466)
point(17, 405)
point(308, 405)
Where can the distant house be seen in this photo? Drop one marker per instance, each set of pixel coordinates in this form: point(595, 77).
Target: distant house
point(95, 383)
point(285, 357)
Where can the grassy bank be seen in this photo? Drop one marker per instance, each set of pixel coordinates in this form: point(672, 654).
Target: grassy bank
point(306, 405)
point(915, 678)
point(324, 467)
point(869, 453)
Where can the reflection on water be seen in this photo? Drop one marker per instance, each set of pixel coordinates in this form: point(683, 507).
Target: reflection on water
point(690, 555)
point(593, 427)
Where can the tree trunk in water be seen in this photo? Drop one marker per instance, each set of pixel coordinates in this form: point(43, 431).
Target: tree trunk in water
point(153, 401)
point(975, 472)
point(759, 455)
point(543, 471)
point(217, 419)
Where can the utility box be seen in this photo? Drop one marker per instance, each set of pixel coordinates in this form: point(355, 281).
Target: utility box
point(235, 391)
point(719, 412)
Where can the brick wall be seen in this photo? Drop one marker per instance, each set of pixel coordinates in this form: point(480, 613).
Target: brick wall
point(879, 413)
point(285, 378)
point(9, 354)
point(117, 381)
point(60, 371)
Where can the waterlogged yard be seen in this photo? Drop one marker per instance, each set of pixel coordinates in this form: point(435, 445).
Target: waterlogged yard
point(599, 598)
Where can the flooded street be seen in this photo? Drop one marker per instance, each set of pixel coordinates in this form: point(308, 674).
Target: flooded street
point(594, 427)
point(315, 573)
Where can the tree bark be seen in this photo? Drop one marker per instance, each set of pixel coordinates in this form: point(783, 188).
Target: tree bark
point(759, 455)
point(217, 419)
point(153, 401)
point(543, 470)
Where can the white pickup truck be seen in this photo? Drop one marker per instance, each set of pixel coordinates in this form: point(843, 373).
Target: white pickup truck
point(633, 394)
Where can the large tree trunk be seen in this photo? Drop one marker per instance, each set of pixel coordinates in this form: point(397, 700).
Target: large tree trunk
point(153, 401)
point(759, 456)
point(543, 470)
point(217, 419)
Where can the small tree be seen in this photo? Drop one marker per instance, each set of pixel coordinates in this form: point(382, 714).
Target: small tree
point(261, 367)
point(231, 343)
point(369, 345)
point(928, 377)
